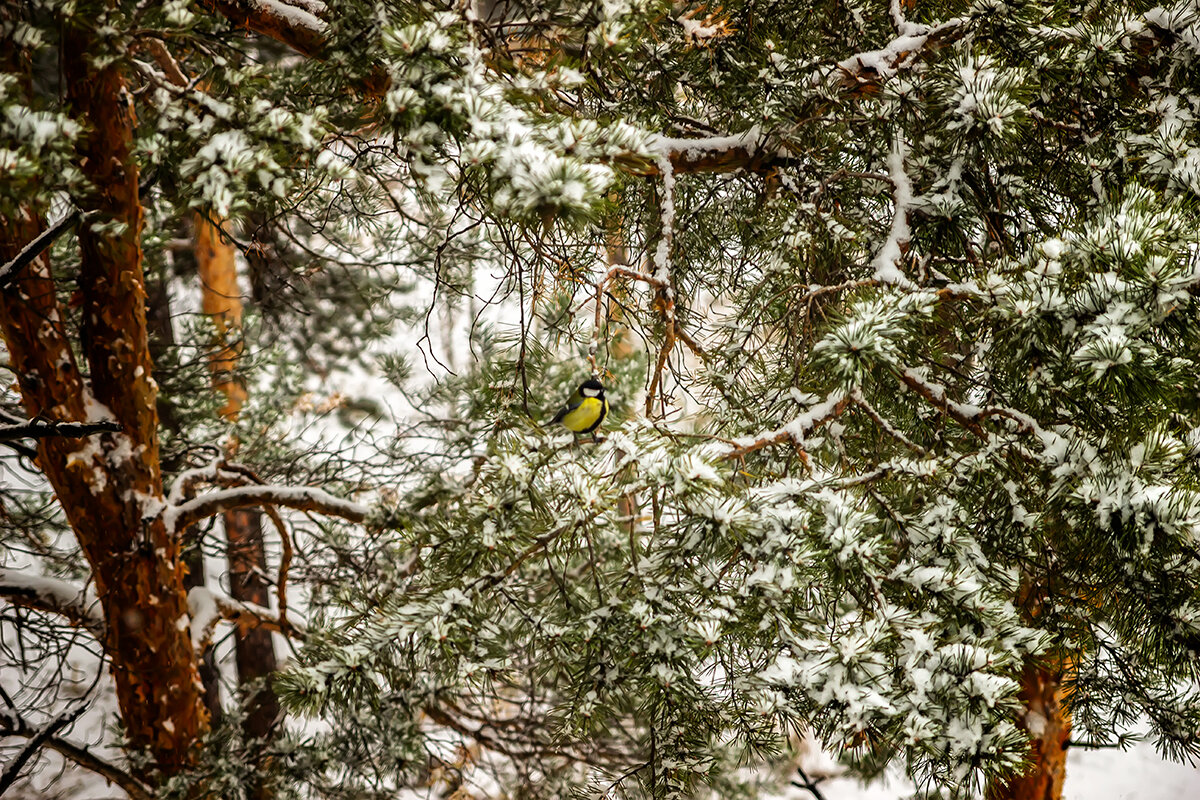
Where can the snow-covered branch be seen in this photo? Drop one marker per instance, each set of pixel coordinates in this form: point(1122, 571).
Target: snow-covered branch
point(55, 596)
point(206, 608)
point(295, 26)
point(863, 70)
point(799, 428)
point(746, 150)
point(968, 415)
point(888, 428)
point(886, 261)
point(303, 498)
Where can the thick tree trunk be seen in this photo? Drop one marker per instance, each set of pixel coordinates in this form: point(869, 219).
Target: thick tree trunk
point(109, 485)
point(1049, 728)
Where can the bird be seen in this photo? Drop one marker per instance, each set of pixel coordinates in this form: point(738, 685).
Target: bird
point(585, 409)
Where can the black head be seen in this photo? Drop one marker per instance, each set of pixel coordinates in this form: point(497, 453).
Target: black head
point(591, 388)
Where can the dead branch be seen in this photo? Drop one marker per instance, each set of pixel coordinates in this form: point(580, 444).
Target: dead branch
point(304, 498)
point(39, 429)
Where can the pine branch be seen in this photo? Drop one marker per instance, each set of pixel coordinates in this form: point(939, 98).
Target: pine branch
point(831, 408)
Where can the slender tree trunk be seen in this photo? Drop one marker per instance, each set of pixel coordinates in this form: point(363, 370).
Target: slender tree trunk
point(161, 333)
point(221, 300)
point(254, 649)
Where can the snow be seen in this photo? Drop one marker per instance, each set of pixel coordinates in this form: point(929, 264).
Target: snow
point(267, 495)
point(294, 15)
point(801, 424)
point(696, 31)
point(1134, 774)
point(54, 592)
point(693, 149)
point(885, 262)
point(95, 411)
point(203, 613)
point(662, 253)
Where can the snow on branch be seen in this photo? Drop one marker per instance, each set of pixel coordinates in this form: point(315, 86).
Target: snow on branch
point(179, 516)
point(55, 596)
point(857, 73)
point(206, 608)
point(294, 25)
point(799, 428)
point(886, 261)
point(746, 150)
point(865, 70)
point(969, 416)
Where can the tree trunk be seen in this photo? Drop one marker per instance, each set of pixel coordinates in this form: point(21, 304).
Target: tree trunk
point(109, 485)
point(1049, 727)
point(254, 648)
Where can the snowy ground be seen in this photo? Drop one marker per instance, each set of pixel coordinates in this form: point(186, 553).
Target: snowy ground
point(1135, 774)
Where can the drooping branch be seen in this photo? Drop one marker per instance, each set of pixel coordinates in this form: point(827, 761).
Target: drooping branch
point(90, 761)
point(55, 596)
point(44, 736)
point(303, 498)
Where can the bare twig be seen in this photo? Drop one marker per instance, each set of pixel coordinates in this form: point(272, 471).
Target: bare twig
point(37, 738)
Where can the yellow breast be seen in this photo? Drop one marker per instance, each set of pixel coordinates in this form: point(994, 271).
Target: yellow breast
point(586, 416)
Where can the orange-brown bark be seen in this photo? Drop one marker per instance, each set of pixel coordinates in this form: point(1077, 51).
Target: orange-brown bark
point(222, 302)
point(1049, 726)
point(254, 649)
point(109, 485)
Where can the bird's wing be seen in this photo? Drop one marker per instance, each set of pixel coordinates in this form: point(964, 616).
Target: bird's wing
point(573, 402)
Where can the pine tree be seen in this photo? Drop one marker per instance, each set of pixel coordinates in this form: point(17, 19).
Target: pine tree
point(903, 453)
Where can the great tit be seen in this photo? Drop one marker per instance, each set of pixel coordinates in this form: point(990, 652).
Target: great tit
point(585, 409)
